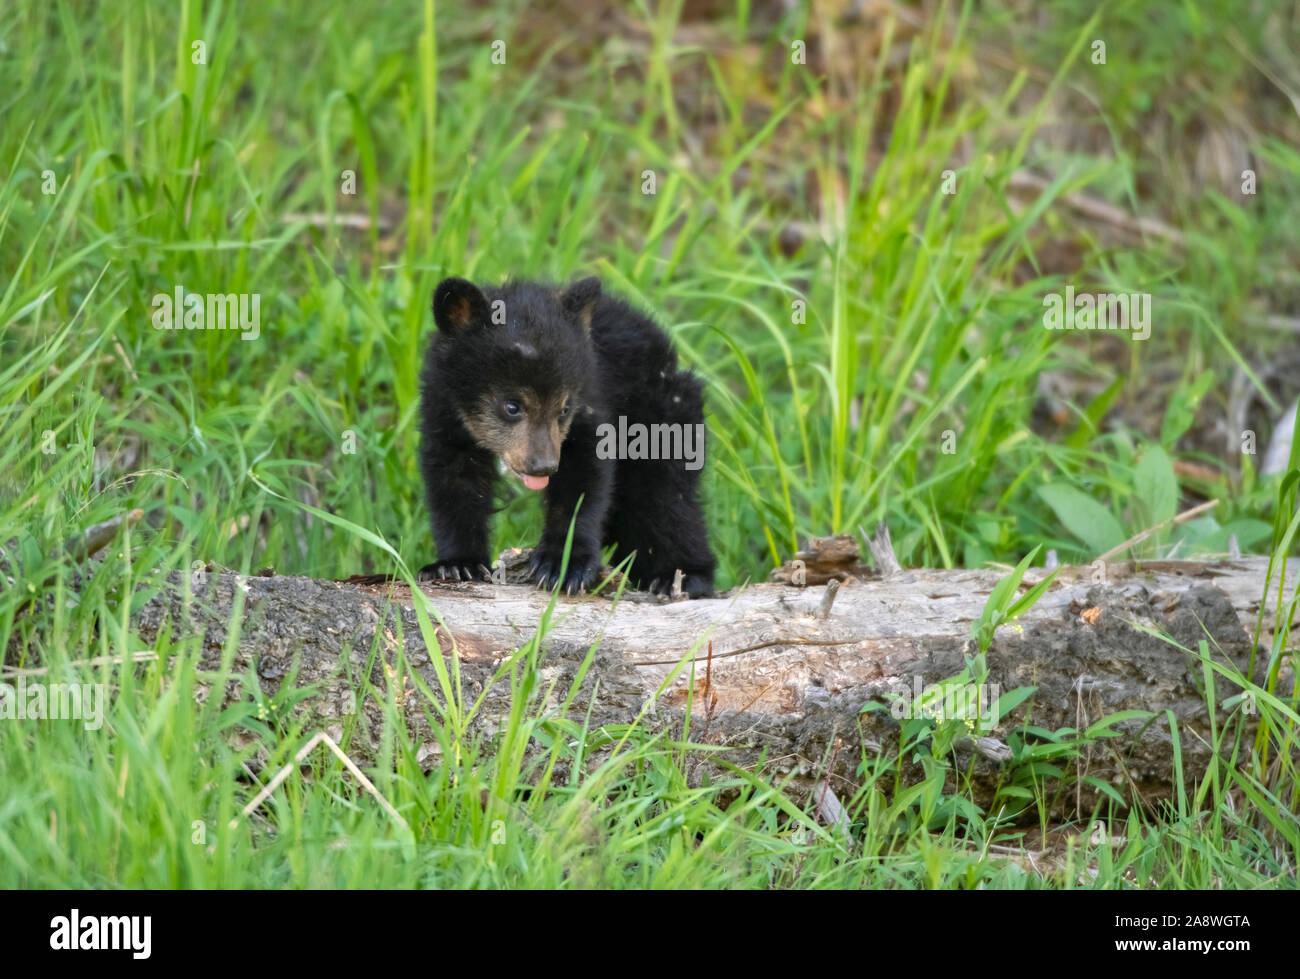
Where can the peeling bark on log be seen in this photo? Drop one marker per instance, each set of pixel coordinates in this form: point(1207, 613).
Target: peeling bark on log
point(789, 683)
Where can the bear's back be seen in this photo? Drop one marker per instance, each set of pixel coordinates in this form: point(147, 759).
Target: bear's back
point(628, 343)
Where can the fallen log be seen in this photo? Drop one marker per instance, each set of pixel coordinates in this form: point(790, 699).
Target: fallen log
point(791, 668)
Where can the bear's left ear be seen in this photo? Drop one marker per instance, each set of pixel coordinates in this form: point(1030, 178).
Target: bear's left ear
point(459, 306)
point(580, 299)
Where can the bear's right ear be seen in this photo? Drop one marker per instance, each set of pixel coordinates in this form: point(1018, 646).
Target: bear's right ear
point(580, 299)
point(459, 306)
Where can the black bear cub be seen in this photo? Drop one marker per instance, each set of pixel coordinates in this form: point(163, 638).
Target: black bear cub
point(580, 397)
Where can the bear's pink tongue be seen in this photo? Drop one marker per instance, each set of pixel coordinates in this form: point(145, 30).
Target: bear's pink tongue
point(536, 482)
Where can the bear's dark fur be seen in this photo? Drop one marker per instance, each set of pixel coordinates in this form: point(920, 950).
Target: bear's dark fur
point(528, 373)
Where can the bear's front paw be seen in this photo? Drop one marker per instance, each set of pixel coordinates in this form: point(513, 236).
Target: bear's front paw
point(693, 585)
point(457, 569)
point(583, 572)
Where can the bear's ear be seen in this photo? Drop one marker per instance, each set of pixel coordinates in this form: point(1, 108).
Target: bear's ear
point(459, 306)
point(580, 299)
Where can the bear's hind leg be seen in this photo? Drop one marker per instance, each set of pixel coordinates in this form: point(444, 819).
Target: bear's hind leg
point(656, 510)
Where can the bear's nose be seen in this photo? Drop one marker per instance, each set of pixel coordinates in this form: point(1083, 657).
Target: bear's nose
point(541, 466)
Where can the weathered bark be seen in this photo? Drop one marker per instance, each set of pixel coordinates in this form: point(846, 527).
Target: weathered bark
point(789, 683)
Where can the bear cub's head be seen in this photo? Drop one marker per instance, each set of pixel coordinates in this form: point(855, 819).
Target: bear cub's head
point(519, 366)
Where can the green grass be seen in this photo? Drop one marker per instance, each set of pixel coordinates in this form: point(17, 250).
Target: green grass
point(885, 368)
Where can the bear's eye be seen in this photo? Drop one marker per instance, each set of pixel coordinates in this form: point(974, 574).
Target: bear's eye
point(567, 410)
point(512, 409)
